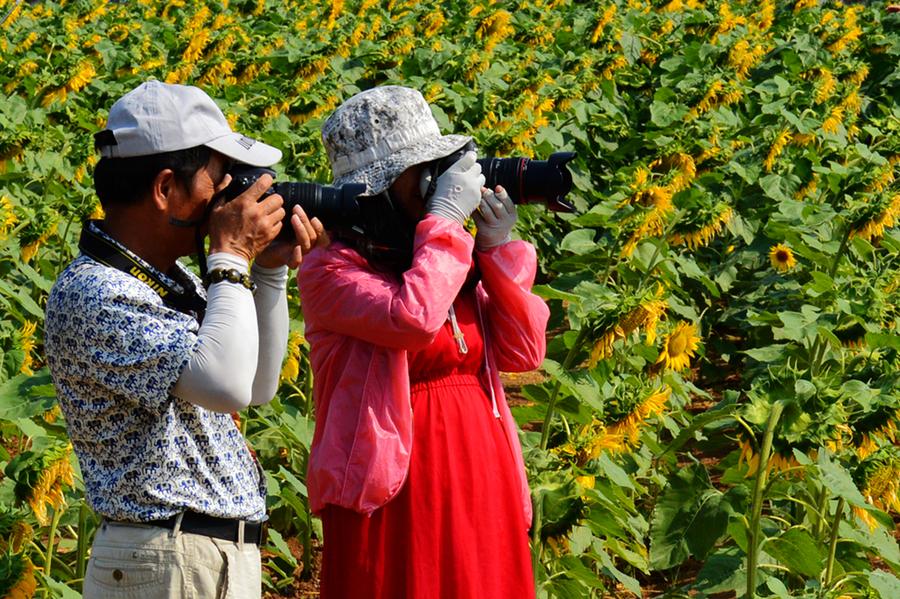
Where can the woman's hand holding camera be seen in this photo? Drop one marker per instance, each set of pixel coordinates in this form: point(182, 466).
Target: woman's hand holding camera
point(495, 218)
point(458, 190)
point(246, 225)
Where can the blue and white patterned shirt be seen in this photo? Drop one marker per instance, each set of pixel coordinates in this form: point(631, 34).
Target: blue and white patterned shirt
point(115, 352)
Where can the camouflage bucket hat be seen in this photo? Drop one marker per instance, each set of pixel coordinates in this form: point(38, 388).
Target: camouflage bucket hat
point(379, 133)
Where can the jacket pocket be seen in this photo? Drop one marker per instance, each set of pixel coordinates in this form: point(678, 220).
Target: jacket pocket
point(378, 460)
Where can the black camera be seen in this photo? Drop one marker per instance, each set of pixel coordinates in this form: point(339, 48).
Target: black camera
point(526, 181)
point(333, 205)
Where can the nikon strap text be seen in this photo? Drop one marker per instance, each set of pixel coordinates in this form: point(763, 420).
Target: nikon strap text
point(184, 299)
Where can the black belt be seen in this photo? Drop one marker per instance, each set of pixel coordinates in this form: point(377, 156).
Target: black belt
point(210, 526)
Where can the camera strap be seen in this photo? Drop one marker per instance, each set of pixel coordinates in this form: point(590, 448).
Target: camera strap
point(182, 296)
point(198, 235)
point(382, 234)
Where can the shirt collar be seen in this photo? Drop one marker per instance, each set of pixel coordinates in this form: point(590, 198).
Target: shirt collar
point(168, 280)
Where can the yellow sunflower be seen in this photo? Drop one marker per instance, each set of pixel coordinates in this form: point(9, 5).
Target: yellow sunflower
point(875, 226)
point(701, 236)
point(22, 582)
point(291, 368)
point(879, 481)
point(615, 437)
point(47, 491)
point(26, 343)
point(20, 534)
point(645, 316)
point(626, 432)
point(31, 249)
point(679, 347)
point(870, 441)
point(8, 217)
point(777, 461)
point(782, 257)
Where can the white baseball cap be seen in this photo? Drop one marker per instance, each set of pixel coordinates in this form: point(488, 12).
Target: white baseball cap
point(158, 117)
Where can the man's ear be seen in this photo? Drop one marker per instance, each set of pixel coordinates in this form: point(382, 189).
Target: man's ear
point(164, 188)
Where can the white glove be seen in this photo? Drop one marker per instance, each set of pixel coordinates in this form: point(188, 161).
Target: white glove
point(494, 218)
point(458, 191)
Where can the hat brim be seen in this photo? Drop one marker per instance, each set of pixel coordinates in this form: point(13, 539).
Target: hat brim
point(244, 149)
point(379, 175)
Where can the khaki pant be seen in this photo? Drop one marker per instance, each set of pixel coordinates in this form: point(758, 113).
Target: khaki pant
point(136, 561)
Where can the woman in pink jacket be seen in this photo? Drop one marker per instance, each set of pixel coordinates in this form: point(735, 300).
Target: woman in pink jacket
point(415, 467)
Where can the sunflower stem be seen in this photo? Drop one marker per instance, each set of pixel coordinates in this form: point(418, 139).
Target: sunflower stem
point(537, 547)
point(816, 355)
point(307, 573)
point(48, 560)
point(756, 506)
point(551, 404)
point(81, 550)
point(66, 247)
point(813, 350)
point(308, 387)
point(650, 266)
point(840, 253)
point(832, 543)
point(820, 511)
point(609, 266)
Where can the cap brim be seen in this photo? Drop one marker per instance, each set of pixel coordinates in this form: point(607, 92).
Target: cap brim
point(379, 175)
point(246, 150)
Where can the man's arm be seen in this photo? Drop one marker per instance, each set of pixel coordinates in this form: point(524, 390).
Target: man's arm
point(272, 324)
point(220, 374)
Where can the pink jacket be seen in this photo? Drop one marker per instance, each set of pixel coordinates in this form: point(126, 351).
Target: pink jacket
point(360, 324)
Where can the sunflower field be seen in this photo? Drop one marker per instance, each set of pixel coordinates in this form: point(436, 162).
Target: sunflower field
point(719, 411)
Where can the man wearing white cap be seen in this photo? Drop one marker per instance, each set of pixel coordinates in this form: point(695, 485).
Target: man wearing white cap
point(148, 364)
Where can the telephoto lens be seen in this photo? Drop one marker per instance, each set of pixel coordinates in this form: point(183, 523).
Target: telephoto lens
point(526, 181)
point(532, 181)
point(334, 206)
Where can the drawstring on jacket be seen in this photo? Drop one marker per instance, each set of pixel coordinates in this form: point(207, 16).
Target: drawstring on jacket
point(487, 364)
point(464, 349)
point(457, 333)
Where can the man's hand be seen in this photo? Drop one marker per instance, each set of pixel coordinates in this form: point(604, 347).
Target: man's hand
point(308, 234)
point(245, 226)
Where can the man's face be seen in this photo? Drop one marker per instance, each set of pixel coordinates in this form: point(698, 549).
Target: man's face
point(191, 202)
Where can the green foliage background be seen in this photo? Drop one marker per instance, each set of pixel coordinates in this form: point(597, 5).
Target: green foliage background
point(738, 202)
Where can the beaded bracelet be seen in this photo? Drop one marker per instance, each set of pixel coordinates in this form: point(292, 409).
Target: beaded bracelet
point(232, 275)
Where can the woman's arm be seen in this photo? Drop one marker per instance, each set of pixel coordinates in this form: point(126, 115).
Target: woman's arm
point(515, 318)
point(342, 293)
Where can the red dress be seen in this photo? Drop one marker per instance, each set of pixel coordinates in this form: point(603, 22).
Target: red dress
point(455, 530)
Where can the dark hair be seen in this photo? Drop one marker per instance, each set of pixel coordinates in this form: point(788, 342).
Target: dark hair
point(122, 181)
